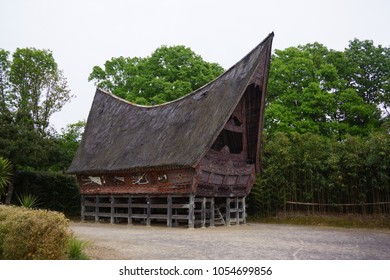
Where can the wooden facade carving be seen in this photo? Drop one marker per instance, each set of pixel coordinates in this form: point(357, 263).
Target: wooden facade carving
point(148, 182)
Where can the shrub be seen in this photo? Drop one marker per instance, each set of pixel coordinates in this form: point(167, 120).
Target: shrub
point(27, 234)
point(56, 191)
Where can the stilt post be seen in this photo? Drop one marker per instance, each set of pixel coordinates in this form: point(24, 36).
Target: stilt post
point(237, 211)
point(243, 210)
point(112, 202)
point(203, 213)
point(97, 209)
point(228, 211)
point(130, 211)
point(148, 211)
point(82, 208)
point(212, 213)
point(191, 212)
point(169, 211)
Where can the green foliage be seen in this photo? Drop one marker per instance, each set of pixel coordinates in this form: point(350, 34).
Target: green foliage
point(5, 173)
point(65, 146)
point(28, 200)
point(4, 80)
point(317, 169)
point(28, 150)
point(326, 128)
point(55, 191)
point(76, 249)
point(27, 234)
point(313, 89)
point(32, 88)
point(369, 72)
point(38, 87)
point(169, 73)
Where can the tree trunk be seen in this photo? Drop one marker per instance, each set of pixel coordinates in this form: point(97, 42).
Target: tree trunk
point(9, 193)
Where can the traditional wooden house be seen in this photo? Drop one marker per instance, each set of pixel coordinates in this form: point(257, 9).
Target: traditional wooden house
point(192, 160)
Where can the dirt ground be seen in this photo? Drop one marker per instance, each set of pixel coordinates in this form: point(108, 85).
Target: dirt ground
point(252, 241)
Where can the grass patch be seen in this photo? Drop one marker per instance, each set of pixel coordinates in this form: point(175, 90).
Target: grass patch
point(76, 249)
point(344, 221)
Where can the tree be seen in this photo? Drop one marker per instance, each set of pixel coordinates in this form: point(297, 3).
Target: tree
point(169, 73)
point(311, 90)
point(369, 72)
point(4, 80)
point(38, 86)
point(32, 88)
point(65, 146)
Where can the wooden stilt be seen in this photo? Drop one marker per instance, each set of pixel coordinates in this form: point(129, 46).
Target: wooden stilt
point(97, 209)
point(228, 211)
point(212, 213)
point(82, 208)
point(203, 213)
point(169, 211)
point(148, 211)
point(237, 211)
point(243, 211)
point(112, 202)
point(129, 211)
point(191, 212)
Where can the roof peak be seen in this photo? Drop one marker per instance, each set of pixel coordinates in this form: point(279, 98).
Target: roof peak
point(196, 91)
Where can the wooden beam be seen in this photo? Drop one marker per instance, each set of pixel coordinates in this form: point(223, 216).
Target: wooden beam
point(97, 209)
point(129, 211)
point(243, 210)
point(148, 211)
point(237, 211)
point(203, 213)
point(191, 213)
point(112, 202)
point(169, 211)
point(82, 208)
point(228, 211)
point(212, 213)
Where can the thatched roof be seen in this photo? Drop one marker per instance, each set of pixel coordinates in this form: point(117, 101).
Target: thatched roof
point(120, 135)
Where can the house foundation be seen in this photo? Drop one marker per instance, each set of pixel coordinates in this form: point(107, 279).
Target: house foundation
point(171, 210)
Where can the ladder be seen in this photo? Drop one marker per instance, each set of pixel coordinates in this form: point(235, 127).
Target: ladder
point(219, 217)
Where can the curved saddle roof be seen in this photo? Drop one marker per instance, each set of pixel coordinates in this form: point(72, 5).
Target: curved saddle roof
point(120, 135)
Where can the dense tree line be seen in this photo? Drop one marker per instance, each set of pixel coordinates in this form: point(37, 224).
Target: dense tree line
point(348, 176)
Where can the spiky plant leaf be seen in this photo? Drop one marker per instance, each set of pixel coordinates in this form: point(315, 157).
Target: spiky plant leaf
point(28, 200)
point(5, 173)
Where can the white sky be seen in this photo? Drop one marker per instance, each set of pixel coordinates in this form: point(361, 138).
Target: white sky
point(85, 33)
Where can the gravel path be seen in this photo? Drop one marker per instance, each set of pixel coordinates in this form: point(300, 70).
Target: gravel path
point(251, 241)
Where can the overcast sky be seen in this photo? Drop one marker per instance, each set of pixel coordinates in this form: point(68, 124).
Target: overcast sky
point(85, 33)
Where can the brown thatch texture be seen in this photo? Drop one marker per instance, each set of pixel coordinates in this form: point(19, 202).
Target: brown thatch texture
point(120, 135)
